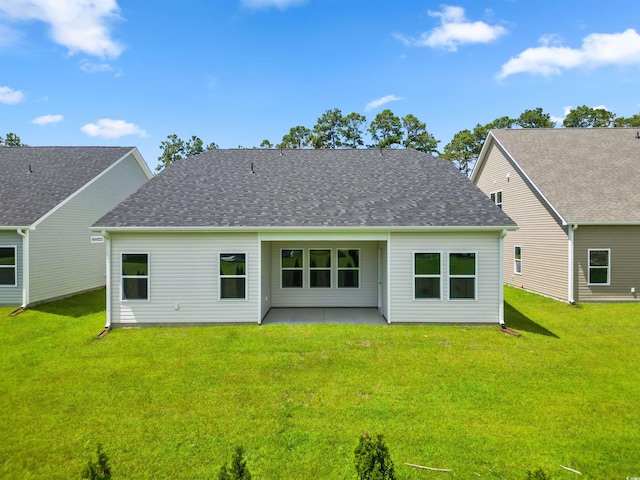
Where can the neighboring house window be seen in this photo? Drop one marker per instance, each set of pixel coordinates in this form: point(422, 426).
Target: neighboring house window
point(427, 278)
point(496, 197)
point(233, 276)
point(348, 268)
point(517, 259)
point(8, 267)
point(135, 276)
point(320, 268)
point(292, 268)
point(599, 271)
point(462, 276)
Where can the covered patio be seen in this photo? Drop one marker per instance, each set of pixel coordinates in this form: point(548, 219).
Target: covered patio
point(317, 315)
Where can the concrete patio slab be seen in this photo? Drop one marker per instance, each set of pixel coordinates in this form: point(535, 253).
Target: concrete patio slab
point(302, 316)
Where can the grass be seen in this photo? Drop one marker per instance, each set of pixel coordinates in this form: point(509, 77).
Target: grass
point(174, 402)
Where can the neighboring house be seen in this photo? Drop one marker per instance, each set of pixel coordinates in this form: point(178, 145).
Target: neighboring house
point(229, 234)
point(49, 197)
point(575, 195)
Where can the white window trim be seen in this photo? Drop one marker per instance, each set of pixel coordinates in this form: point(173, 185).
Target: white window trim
point(475, 277)
point(15, 267)
point(245, 276)
point(147, 276)
point(515, 260)
point(330, 268)
point(495, 197)
point(415, 275)
point(608, 267)
point(302, 269)
point(358, 269)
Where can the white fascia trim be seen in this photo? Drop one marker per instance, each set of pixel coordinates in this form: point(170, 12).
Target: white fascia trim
point(524, 174)
point(131, 152)
point(605, 224)
point(15, 228)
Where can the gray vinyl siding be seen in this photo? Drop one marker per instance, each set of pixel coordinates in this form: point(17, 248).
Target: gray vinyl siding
point(543, 239)
point(184, 280)
point(62, 258)
point(12, 295)
point(364, 296)
point(624, 243)
point(486, 307)
point(265, 278)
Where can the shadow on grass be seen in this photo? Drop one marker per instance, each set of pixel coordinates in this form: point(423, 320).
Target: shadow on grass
point(76, 306)
point(516, 320)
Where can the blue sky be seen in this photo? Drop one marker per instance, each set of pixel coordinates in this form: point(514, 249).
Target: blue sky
point(131, 72)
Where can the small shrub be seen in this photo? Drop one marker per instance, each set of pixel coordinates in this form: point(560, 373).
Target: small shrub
point(373, 461)
point(538, 474)
point(100, 469)
point(237, 470)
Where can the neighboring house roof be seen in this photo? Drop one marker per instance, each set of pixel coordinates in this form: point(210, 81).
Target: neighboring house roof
point(56, 173)
point(589, 175)
point(308, 188)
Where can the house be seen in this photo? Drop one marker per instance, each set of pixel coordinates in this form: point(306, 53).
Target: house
point(575, 195)
point(49, 197)
point(227, 235)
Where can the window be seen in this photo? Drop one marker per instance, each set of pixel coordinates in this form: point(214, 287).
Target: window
point(496, 197)
point(8, 267)
point(233, 276)
point(292, 268)
point(462, 276)
point(135, 276)
point(320, 268)
point(599, 273)
point(426, 276)
point(517, 260)
point(348, 268)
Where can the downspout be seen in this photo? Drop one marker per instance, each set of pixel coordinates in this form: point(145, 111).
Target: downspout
point(24, 233)
point(570, 279)
point(501, 279)
point(106, 236)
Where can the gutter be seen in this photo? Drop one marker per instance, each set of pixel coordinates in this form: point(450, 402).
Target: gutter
point(24, 233)
point(107, 325)
point(501, 280)
point(570, 280)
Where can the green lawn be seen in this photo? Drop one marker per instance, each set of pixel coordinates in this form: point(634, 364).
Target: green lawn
point(174, 402)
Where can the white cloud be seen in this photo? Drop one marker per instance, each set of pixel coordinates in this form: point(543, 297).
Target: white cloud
point(381, 101)
point(280, 4)
point(47, 119)
point(80, 25)
point(597, 50)
point(454, 30)
point(10, 96)
point(108, 128)
point(89, 67)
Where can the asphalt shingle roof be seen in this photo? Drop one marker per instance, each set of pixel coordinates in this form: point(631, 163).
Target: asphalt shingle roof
point(308, 188)
point(57, 172)
point(588, 174)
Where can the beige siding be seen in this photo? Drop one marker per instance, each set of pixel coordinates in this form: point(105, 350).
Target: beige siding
point(10, 295)
point(63, 260)
point(543, 239)
point(265, 278)
point(365, 296)
point(184, 283)
point(486, 307)
point(624, 243)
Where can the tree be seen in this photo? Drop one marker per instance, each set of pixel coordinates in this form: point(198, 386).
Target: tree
point(350, 130)
point(417, 136)
point(535, 119)
point(174, 149)
point(386, 130)
point(298, 137)
point(266, 144)
point(12, 140)
point(373, 461)
point(326, 130)
point(461, 150)
point(633, 121)
point(237, 470)
point(586, 117)
point(98, 469)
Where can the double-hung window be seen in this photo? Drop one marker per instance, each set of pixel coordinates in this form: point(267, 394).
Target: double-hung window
point(320, 268)
point(427, 275)
point(599, 266)
point(135, 276)
point(496, 197)
point(8, 267)
point(517, 260)
point(233, 276)
point(348, 268)
point(462, 276)
point(292, 265)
